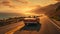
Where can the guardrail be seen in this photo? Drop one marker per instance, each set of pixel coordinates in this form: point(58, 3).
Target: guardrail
point(53, 22)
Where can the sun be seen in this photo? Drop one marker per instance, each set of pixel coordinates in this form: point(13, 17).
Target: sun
point(26, 9)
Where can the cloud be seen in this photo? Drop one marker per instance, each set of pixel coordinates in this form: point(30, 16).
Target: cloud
point(57, 0)
point(23, 1)
point(11, 3)
point(6, 3)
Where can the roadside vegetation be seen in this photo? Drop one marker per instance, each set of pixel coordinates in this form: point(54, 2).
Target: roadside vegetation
point(56, 18)
point(57, 14)
point(8, 21)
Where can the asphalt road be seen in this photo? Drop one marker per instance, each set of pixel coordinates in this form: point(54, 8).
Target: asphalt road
point(9, 29)
point(46, 28)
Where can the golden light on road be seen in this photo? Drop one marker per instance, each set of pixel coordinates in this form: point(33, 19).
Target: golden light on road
point(12, 31)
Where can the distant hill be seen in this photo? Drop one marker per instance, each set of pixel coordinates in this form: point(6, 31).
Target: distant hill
point(52, 10)
point(49, 10)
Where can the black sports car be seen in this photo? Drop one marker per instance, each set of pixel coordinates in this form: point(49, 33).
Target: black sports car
point(31, 24)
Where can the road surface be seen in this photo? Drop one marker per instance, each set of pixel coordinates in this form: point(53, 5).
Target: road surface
point(46, 28)
point(10, 29)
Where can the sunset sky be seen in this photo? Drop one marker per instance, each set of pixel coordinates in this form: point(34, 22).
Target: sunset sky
point(23, 5)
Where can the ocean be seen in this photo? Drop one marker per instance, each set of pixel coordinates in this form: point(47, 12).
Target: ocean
point(9, 15)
